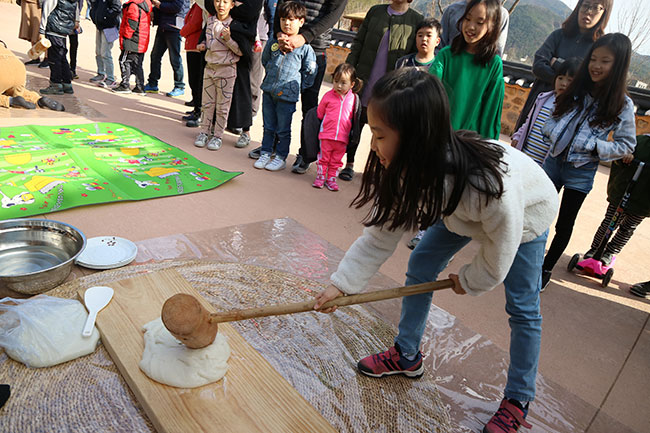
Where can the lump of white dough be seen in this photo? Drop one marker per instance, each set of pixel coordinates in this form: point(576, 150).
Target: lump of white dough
point(166, 360)
point(44, 331)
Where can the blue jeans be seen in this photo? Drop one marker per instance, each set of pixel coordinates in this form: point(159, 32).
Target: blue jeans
point(103, 56)
point(277, 116)
point(522, 284)
point(167, 40)
point(564, 174)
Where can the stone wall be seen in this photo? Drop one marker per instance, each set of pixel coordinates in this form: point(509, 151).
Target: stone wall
point(513, 100)
point(335, 56)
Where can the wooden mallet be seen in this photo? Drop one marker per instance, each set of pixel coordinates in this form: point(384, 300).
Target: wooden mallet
point(187, 320)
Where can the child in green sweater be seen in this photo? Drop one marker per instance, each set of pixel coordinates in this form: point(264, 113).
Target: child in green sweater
point(472, 72)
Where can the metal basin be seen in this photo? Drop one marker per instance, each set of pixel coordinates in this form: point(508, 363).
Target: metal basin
point(37, 255)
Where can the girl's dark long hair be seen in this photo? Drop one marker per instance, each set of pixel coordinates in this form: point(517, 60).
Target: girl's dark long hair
point(410, 192)
point(571, 28)
point(209, 7)
point(486, 48)
point(610, 94)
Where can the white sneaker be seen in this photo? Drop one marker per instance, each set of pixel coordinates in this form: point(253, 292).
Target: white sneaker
point(243, 140)
point(201, 140)
point(261, 162)
point(214, 143)
point(276, 164)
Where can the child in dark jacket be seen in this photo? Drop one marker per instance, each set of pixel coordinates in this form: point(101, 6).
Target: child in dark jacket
point(59, 18)
point(192, 32)
point(638, 205)
point(106, 16)
point(134, 40)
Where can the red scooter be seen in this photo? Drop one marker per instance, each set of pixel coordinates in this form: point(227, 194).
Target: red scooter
point(592, 266)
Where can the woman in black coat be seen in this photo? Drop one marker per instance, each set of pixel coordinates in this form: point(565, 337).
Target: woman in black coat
point(585, 24)
point(243, 29)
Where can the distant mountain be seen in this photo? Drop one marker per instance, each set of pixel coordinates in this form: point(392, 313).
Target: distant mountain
point(530, 25)
point(555, 6)
point(639, 69)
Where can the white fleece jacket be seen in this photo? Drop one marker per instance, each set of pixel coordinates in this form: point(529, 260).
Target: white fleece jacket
point(525, 210)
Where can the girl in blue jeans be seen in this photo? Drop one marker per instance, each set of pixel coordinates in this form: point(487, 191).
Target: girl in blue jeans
point(594, 106)
point(423, 173)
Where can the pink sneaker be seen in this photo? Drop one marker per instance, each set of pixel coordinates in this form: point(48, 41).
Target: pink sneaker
point(508, 419)
point(331, 184)
point(319, 182)
point(391, 362)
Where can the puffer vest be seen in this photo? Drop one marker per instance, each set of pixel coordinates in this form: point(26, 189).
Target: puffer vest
point(62, 19)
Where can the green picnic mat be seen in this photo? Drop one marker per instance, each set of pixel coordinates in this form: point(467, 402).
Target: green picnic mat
point(48, 168)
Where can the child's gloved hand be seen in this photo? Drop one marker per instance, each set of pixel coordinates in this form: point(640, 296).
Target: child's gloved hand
point(627, 158)
point(325, 296)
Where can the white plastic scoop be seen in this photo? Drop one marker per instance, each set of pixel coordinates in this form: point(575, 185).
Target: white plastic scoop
point(95, 298)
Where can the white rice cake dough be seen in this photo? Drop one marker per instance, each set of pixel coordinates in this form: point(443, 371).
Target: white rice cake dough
point(44, 331)
point(166, 360)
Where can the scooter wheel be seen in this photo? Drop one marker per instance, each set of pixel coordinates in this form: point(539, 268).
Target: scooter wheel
point(608, 277)
point(573, 262)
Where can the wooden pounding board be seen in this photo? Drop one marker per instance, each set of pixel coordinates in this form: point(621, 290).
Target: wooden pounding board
point(252, 397)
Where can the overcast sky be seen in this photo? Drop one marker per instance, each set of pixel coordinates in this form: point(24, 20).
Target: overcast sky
point(621, 6)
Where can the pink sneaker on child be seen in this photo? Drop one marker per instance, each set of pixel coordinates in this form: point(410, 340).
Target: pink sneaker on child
point(319, 182)
point(507, 419)
point(331, 184)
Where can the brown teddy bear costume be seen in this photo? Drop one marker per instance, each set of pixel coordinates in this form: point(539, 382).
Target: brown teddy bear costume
point(13, 92)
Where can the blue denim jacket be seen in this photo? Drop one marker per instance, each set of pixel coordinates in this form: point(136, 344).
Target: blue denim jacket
point(288, 74)
point(590, 143)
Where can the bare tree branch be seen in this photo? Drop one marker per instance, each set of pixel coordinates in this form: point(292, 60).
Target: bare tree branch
point(440, 6)
point(634, 21)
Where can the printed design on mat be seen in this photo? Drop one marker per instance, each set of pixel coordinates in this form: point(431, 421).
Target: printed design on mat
point(49, 168)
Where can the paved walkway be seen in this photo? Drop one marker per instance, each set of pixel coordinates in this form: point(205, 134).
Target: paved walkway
point(596, 342)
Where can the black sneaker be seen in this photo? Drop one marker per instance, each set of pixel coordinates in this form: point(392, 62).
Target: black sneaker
point(192, 116)
point(546, 278)
point(255, 153)
point(189, 103)
point(44, 64)
point(50, 103)
point(236, 131)
point(346, 174)
point(641, 289)
point(300, 166)
point(138, 91)
point(194, 123)
point(122, 88)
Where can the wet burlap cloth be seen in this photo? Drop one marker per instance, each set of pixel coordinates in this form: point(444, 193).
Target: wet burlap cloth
point(316, 353)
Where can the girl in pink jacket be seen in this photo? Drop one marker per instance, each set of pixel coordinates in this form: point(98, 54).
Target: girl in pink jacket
point(337, 111)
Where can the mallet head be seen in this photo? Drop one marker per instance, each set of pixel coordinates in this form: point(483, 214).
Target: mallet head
point(187, 320)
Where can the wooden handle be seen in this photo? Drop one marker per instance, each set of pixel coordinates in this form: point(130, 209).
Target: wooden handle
point(299, 307)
